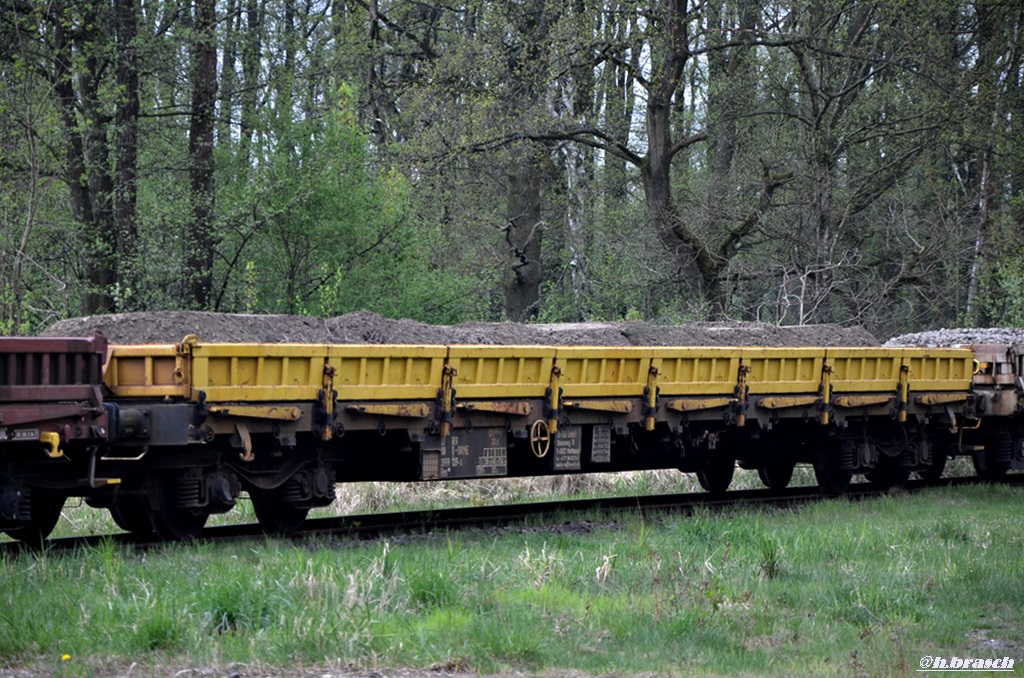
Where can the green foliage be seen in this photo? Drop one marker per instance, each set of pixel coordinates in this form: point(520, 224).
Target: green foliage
point(389, 195)
point(330, 233)
point(1004, 305)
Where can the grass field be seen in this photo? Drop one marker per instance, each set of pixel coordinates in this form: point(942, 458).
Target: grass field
point(835, 588)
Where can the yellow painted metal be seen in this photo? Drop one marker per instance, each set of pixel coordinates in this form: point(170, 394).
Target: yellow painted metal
point(387, 372)
point(903, 393)
point(257, 372)
point(782, 402)
point(501, 371)
point(274, 412)
point(614, 406)
point(554, 396)
point(52, 441)
point(939, 369)
point(100, 482)
point(742, 393)
point(861, 400)
point(327, 396)
point(652, 397)
point(696, 404)
point(516, 408)
point(148, 371)
point(243, 434)
point(447, 397)
point(500, 375)
point(864, 370)
point(940, 398)
point(825, 394)
point(411, 410)
point(594, 371)
point(783, 370)
point(540, 438)
point(695, 370)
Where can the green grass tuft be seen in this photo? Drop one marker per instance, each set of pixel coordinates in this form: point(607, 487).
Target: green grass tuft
point(832, 588)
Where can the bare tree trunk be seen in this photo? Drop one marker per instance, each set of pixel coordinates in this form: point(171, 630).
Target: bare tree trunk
point(252, 47)
point(228, 85)
point(524, 234)
point(126, 142)
point(13, 306)
point(619, 103)
point(988, 106)
point(570, 101)
point(730, 80)
point(86, 149)
point(199, 257)
point(576, 189)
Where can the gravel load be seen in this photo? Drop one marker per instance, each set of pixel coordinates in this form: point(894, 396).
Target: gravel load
point(362, 327)
point(960, 337)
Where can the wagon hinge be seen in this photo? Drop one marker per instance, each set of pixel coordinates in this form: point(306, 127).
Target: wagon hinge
point(188, 344)
point(651, 393)
point(903, 394)
point(742, 391)
point(327, 398)
point(825, 395)
point(446, 400)
point(183, 363)
point(245, 441)
point(553, 394)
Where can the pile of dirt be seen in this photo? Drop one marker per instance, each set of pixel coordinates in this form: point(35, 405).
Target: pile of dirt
point(164, 327)
point(960, 337)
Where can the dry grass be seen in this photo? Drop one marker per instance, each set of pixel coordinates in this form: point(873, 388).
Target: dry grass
point(834, 588)
point(382, 497)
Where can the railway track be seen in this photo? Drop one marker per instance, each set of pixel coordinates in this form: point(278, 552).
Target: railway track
point(378, 525)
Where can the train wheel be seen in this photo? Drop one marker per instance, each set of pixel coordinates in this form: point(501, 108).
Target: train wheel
point(132, 514)
point(934, 472)
point(716, 474)
point(276, 515)
point(174, 522)
point(45, 512)
point(178, 523)
point(776, 474)
point(993, 462)
point(888, 477)
point(831, 479)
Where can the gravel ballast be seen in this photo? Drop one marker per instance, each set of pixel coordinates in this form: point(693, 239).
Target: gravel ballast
point(960, 337)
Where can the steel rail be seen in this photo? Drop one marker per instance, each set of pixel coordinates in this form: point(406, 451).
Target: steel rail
point(432, 521)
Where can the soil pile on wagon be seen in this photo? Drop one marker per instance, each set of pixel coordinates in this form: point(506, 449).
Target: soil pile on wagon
point(369, 328)
point(960, 337)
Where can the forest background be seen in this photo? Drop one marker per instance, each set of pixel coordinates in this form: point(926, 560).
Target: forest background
point(559, 160)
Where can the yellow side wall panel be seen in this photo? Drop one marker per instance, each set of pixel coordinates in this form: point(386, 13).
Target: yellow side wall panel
point(501, 371)
point(257, 372)
point(599, 371)
point(387, 372)
point(860, 370)
point(149, 371)
point(783, 370)
point(295, 372)
point(696, 371)
point(939, 369)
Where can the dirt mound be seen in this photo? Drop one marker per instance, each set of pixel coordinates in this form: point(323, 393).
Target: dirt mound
point(167, 327)
point(364, 327)
point(960, 337)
